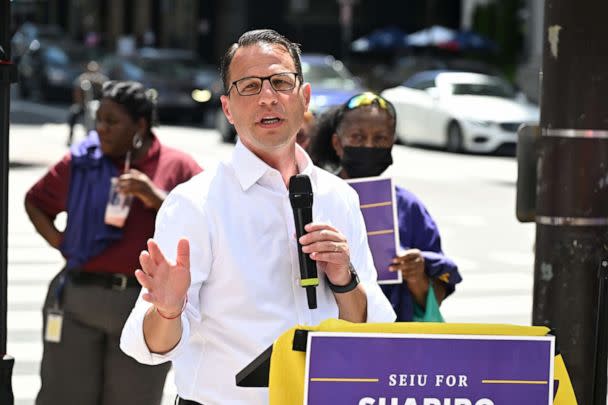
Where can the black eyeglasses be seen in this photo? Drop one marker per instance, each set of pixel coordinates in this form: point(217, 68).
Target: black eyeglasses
point(250, 86)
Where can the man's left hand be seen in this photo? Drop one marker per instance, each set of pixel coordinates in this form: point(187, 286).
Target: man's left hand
point(329, 248)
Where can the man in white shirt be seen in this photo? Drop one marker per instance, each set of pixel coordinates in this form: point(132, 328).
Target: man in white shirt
point(232, 286)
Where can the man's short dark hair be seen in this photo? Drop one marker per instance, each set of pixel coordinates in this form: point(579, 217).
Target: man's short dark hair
point(266, 36)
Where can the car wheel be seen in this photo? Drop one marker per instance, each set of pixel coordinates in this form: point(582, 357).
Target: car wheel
point(226, 130)
point(454, 138)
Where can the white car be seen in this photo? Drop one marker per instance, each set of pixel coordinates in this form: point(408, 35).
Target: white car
point(460, 111)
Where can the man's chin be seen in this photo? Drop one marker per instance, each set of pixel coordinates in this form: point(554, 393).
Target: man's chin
point(271, 141)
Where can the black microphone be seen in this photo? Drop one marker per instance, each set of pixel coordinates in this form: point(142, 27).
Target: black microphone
point(300, 196)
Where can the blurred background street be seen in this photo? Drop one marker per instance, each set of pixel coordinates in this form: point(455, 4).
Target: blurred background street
point(463, 76)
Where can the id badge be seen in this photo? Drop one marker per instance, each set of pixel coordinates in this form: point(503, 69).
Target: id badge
point(54, 325)
point(119, 204)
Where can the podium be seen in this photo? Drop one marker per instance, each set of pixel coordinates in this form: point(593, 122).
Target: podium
point(282, 367)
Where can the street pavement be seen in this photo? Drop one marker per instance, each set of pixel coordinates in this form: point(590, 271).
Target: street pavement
point(471, 197)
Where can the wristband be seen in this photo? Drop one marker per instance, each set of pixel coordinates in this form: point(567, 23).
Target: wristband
point(172, 317)
point(352, 284)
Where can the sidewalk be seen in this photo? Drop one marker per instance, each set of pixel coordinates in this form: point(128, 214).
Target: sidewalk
point(36, 145)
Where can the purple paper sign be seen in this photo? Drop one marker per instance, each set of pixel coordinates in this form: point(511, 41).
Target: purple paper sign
point(377, 201)
point(389, 369)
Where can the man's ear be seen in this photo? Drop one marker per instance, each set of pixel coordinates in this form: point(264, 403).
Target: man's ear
point(226, 108)
point(306, 91)
point(337, 144)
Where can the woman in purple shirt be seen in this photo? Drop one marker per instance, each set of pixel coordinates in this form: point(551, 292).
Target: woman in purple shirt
point(355, 140)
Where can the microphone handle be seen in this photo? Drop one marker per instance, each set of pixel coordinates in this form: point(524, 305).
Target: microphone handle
point(308, 267)
point(311, 297)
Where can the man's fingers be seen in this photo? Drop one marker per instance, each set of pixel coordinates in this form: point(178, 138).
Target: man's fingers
point(143, 279)
point(155, 252)
point(149, 297)
point(317, 226)
point(322, 235)
point(183, 253)
point(147, 264)
point(335, 258)
point(325, 246)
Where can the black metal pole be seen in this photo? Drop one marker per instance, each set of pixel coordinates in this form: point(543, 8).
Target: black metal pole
point(7, 76)
point(601, 338)
point(572, 188)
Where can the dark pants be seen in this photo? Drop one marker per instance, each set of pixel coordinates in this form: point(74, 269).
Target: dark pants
point(87, 367)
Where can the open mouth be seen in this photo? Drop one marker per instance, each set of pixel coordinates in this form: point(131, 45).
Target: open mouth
point(270, 120)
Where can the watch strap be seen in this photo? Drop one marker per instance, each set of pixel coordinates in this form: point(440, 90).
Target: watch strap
point(341, 289)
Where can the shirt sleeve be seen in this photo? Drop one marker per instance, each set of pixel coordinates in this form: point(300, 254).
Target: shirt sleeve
point(379, 308)
point(178, 217)
point(50, 193)
point(418, 230)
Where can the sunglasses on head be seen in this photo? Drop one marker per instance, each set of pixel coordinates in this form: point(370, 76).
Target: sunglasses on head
point(368, 98)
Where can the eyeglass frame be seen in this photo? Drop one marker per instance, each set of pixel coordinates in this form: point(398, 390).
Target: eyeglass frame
point(263, 78)
point(376, 100)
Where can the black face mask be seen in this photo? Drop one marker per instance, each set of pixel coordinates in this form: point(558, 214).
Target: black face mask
point(365, 162)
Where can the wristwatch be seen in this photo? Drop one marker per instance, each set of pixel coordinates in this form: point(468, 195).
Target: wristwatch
point(353, 283)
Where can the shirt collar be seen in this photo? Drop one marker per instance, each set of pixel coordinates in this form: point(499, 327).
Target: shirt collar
point(249, 168)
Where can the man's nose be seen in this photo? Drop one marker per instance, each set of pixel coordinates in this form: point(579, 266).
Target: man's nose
point(268, 95)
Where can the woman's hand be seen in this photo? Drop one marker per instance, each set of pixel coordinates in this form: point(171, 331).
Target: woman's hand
point(411, 266)
point(44, 224)
point(139, 185)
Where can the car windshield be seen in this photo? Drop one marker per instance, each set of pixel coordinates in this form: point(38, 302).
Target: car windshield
point(491, 89)
point(64, 56)
point(165, 68)
point(56, 56)
point(327, 77)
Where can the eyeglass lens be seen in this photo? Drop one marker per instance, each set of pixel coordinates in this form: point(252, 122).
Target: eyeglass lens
point(253, 85)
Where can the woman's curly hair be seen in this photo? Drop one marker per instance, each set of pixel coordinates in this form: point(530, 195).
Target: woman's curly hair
point(135, 99)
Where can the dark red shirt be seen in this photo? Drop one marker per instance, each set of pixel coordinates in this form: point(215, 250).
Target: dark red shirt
point(165, 166)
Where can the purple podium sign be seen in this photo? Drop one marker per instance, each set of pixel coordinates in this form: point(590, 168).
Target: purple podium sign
point(390, 369)
point(377, 200)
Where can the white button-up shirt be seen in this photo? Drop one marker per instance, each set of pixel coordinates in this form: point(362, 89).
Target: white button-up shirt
point(245, 289)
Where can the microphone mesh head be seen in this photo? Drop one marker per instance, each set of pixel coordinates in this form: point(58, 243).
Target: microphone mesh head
point(300, 191)
point(300, 183)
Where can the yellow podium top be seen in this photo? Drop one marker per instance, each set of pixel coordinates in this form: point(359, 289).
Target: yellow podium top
point(287, 367)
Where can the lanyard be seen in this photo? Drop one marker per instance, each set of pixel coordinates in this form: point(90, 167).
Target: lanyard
point(60, 287)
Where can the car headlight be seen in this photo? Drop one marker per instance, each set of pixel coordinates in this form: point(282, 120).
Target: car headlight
point(201, 96)
point(480, 123)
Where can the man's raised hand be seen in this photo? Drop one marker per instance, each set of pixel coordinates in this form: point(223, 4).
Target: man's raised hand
point(167, 282)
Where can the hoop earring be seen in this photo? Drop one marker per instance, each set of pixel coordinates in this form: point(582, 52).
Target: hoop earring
point(138, 140)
